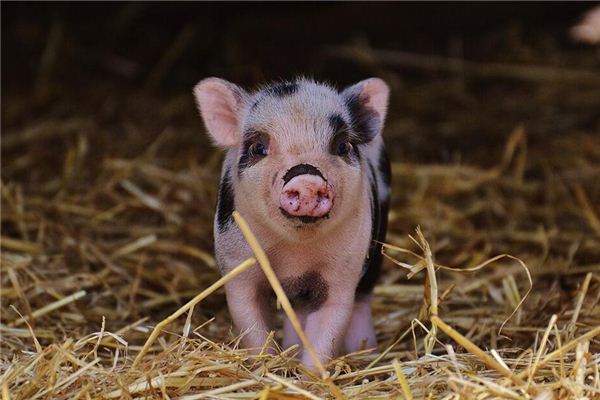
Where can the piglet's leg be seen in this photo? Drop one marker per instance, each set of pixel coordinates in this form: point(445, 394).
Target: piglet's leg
point(361, 334)
point(326, 327)
point(249, 311)
point(290, 337)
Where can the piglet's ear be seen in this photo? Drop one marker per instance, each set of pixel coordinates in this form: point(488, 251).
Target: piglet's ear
point(221, 104)
point(367, 103)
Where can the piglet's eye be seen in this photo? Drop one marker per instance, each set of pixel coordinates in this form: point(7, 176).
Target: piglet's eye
point(259, 149)
point(344, 148)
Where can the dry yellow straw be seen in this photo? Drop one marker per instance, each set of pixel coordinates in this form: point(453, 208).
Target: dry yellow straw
point(431, 291)
point(5, 392)
point(221, 390)
point(290, 385)
point(567, 347)
point(157, 329)
point(19, 245)
point(282, 298)
point(390, 347)
point(264, 395)
point(542, 347)
point(471, 347)
point(67, 381)
point(581, 296)
point(402, 380)
point(50, 307)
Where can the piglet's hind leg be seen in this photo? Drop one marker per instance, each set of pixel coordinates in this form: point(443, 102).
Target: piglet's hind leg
point(360, 334)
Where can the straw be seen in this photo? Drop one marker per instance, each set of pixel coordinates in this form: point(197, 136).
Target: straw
point(109, 284)
point(158, 328)
point(471, 347)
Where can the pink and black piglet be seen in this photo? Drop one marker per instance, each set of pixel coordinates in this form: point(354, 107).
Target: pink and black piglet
point(307, 168)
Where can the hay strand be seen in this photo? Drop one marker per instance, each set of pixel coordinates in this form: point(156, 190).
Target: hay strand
point(114, 196)
point(473, 348)
point(50, 307)
point(204, 294)
point(402, 380)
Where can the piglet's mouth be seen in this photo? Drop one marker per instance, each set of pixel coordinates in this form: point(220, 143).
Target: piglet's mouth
point(306, 219)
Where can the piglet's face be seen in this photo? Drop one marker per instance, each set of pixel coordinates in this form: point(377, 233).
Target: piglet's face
point(295, 147)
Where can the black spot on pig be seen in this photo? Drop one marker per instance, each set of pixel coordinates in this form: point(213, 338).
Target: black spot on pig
point(342, 134)
point(308, 291)
point(225, 203)
point(247, 159)
point(337, 123)
point(302, 169)
point(384, 167)
point(365, 121)
point(243, 162)
point(282, 89)
point(379, 219)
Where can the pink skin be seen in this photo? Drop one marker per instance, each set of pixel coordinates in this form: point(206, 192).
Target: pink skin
point(290, 337)
point(306, 196)
point(360, 334)
point(326, 327)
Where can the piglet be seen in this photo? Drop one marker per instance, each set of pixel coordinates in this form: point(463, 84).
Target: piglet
point(307, 168)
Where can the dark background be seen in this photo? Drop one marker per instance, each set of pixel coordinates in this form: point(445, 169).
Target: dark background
point(257, 42)
point(122, 60)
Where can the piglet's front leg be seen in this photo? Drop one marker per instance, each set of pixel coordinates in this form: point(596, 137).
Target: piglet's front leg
point(326, 327)
point(249, 311)
point(290, 336)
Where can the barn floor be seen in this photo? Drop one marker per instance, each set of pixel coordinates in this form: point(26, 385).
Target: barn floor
point(109, 184)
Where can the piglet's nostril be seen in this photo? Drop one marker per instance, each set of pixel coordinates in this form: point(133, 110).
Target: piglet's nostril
point(292, 194)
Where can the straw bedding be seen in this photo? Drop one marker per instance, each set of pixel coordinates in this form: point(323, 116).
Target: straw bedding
point(107, 205)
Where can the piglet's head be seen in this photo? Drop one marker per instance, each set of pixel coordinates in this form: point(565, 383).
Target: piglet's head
point(296, 151)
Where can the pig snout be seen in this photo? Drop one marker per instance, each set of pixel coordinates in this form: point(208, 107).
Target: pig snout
point(306, 196)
